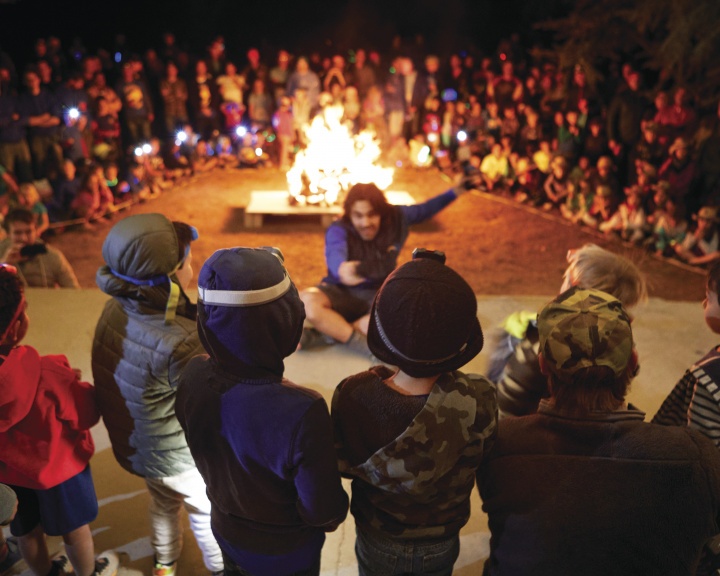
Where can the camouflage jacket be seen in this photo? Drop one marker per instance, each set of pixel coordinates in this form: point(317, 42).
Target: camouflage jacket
point(418, 485)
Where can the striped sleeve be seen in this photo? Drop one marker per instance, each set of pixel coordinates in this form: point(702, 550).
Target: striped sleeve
point(694, 402)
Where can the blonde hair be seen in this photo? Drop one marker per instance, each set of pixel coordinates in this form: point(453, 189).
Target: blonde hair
point(30, 193)
point(595, 267)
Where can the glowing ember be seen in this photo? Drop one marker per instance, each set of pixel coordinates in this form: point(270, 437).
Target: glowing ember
point(334, 160)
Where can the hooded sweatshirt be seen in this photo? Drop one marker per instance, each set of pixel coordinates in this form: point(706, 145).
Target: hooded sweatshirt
point(262, 444)
point(412, 459)
point(45, 416)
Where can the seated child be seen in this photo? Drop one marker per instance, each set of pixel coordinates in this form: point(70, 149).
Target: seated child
point(29, 197)
point(556, 185)
point(573, 208)
point(412, 438)
point(44, 398)
point(629, 220)
point(670, 227)
point(602, 207)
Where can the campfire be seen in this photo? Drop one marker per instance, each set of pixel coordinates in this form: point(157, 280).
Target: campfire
point(333, 161)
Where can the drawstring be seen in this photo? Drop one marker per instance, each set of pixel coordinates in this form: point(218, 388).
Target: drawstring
point(159, 280)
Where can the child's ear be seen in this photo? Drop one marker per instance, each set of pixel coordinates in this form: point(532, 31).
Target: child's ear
point(11, 338)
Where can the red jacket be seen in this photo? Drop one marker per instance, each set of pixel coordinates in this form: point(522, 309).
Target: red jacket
point(45, 417)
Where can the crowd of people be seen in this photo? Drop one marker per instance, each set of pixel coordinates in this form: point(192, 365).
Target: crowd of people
point(94, 130)
point(194, 396)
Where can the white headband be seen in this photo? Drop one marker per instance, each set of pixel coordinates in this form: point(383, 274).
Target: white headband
point(244, 297)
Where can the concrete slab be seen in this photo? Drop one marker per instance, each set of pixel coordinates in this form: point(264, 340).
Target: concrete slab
point(669, 335)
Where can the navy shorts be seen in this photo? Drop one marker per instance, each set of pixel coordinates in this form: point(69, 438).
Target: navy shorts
point(60, 509)
point(350, 302)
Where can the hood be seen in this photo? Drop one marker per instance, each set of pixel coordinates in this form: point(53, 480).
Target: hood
point(142, 247)
point(22, 364)
point(250, 339)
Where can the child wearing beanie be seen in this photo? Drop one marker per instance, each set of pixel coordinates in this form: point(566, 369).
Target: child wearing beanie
point(411, 439)
point(263, 444)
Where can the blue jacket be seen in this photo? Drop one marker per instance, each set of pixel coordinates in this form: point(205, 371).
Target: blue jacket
point(377, 257)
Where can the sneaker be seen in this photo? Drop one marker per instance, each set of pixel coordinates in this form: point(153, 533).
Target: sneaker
point(61, 565)
point(12, 558)
point(358, 343)
point(106, 564)
point(312, 338)
point(164, 569)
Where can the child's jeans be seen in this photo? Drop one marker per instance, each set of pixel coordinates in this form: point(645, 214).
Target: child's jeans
point(378, 555)
point(167, 496)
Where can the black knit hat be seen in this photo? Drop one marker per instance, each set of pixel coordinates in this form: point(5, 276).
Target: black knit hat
point(424, 319)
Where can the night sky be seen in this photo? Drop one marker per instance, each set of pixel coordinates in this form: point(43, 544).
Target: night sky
point(447, 25)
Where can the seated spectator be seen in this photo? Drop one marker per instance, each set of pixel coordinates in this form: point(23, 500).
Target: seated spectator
point(411, 438)
point(106, 132)
point(39, 265)
point(670, 227)
point(543, 156)
point(514, 359)
point(118, 188)
point(602, 208)
point(604, 175)
point(702, 245)
point(94, 199)
point(28, 197)
point(556, 185)
point(587, 465)
point(495, 169)
point(573, 208)
point(526, 185)
point(629, 221)
point(137, 184)
point(204, 159)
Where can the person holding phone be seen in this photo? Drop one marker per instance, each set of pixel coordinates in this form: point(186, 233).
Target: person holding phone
point(39, 265)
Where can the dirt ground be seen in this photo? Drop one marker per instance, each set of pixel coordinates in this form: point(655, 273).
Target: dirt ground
point(498, 246)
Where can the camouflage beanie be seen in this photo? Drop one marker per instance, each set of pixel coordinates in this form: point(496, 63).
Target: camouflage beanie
point(424, 319)
point(583, 328)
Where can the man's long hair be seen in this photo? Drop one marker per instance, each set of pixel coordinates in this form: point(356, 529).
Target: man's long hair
point(370, 193)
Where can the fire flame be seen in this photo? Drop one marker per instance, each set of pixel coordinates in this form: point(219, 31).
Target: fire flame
point(334, 160)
